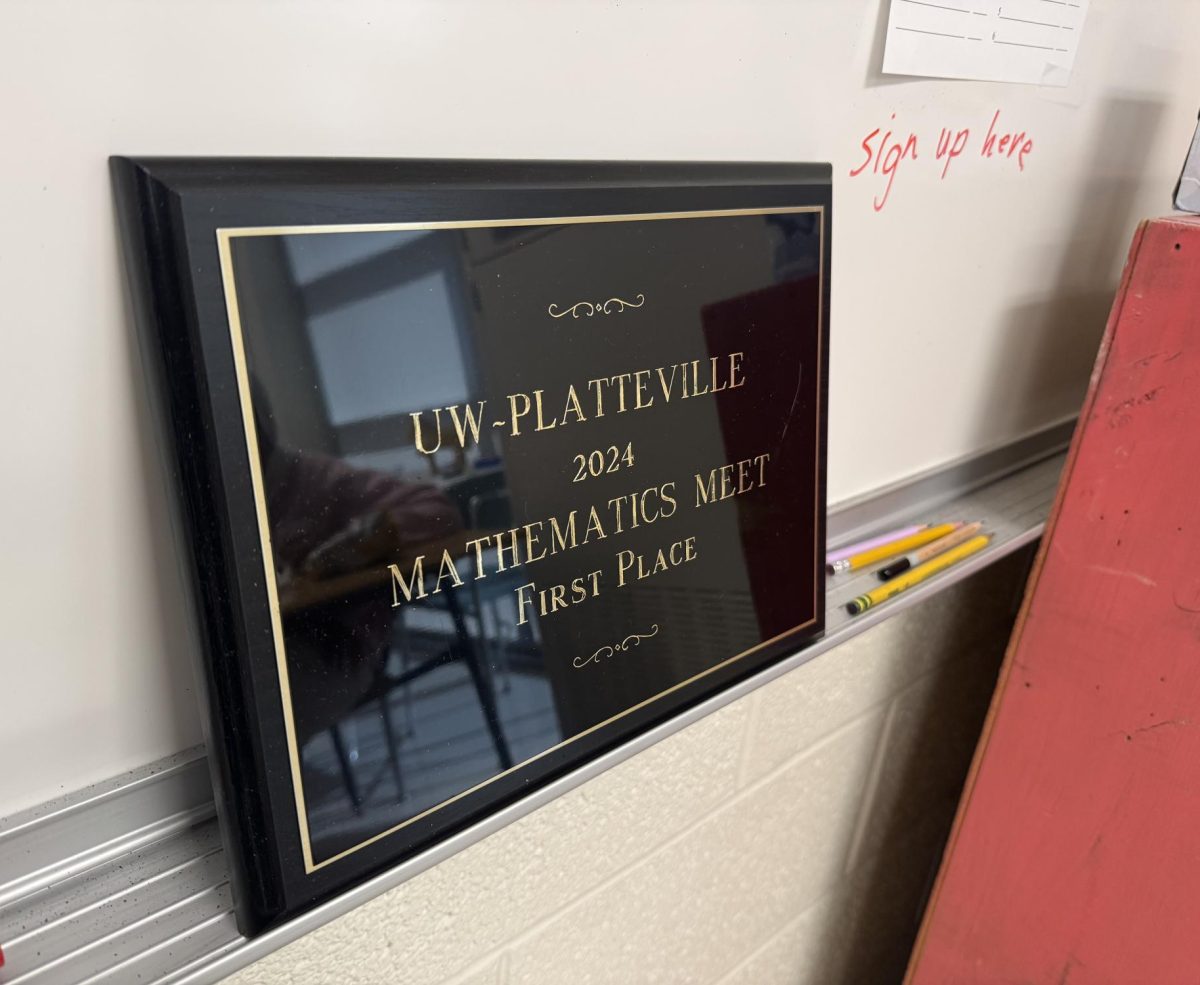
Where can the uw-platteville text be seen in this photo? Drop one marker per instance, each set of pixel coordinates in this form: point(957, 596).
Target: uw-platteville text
point(606, 395)
point(533, 411)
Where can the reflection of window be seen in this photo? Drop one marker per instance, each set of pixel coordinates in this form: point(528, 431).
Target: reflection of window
point(391, 352)
point(316, 256)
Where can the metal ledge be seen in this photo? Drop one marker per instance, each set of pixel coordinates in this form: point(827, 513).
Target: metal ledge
point(126, 880)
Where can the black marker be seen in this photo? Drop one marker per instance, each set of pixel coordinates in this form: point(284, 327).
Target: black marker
point(914, 558)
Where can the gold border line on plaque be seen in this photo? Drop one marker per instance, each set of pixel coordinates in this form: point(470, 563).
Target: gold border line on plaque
point(224, 237)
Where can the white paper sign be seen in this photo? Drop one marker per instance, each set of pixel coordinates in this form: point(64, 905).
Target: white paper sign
point(1007, 41)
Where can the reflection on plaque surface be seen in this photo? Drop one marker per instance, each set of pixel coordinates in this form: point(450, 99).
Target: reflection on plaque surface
point(480, 479)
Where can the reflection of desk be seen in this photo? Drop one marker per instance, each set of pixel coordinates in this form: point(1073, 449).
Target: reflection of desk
point(306, 593)
point(303, 593)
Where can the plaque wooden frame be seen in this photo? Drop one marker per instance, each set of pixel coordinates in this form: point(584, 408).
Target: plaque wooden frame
point(178, 218)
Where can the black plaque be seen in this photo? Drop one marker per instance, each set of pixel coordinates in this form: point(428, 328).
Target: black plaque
point(484, 468)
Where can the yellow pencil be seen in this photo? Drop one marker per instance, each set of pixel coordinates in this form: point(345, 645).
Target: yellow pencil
point(915, 576)
point(929, 551)
point(895, 548)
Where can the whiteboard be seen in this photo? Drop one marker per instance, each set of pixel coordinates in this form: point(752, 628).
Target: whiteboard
point(965, 310)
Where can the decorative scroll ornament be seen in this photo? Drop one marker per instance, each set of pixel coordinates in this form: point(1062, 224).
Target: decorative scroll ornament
point(613, 306)
point(630, 641)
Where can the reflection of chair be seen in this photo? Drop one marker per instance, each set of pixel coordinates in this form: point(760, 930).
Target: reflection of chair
point(460, 647)
point(493, 511)
point(480, 484)
point(484, 502)
point(346, 765)
point(320, 651)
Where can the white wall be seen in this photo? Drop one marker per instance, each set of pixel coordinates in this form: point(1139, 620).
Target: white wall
point(985, 291)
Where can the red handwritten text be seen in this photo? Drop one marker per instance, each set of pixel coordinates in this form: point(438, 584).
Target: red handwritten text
point(1012, 140)
point(890, 155)
point(950, 145)
point(883, 155)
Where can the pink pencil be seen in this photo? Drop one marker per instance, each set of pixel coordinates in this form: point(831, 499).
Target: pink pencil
point(865, 545)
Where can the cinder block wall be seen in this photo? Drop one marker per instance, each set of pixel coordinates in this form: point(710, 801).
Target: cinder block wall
point(790, 837)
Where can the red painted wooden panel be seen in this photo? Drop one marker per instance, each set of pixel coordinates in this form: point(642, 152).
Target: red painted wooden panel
point(1075, 857)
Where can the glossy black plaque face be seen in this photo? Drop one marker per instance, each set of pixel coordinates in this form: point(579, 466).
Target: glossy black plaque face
point(516, 490)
